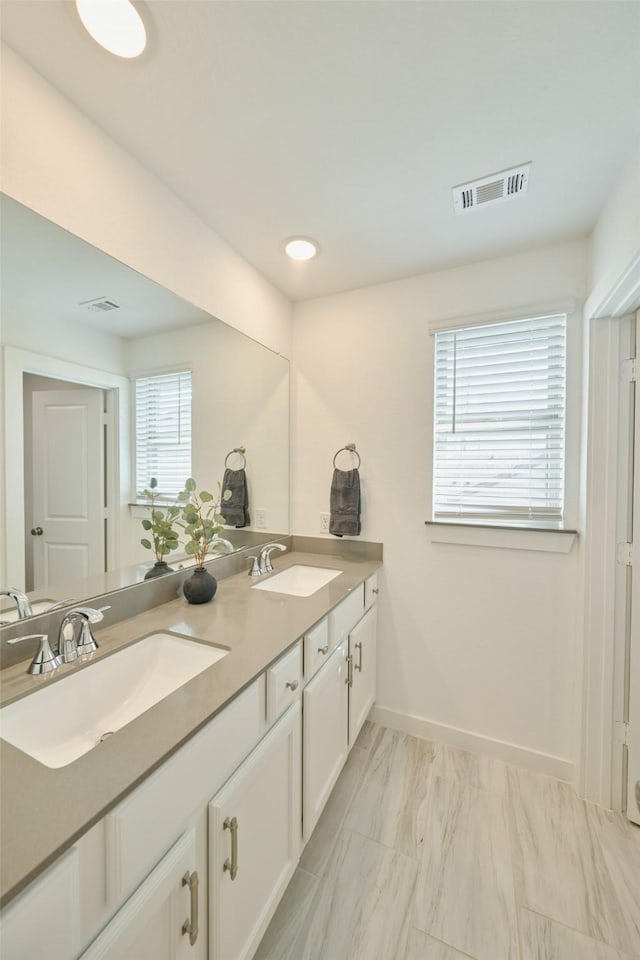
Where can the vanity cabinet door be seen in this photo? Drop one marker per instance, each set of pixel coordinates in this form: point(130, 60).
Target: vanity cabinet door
point(362, 685)
point(324, 737)
point(44, 920)
point(254, 841)
point(161, 921)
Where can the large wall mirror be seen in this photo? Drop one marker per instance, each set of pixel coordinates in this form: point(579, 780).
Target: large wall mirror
point(78, 328)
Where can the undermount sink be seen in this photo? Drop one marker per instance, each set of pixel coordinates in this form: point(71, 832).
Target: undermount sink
point(61, 722)
point(298, 580)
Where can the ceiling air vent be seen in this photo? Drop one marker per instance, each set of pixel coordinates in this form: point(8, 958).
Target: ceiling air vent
point(101, 305)
point(496, 188)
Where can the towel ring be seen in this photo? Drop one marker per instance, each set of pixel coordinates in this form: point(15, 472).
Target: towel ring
point(241, 451)
point(350, 448)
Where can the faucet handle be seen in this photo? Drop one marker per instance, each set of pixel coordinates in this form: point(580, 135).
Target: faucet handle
point(87, 643)
point(45, 659)
point(254, 570)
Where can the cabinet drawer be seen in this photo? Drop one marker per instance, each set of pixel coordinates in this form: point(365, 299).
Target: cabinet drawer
point(370, 590)
point(316, 648)
point(143, 827)
point(345, 616)
point(283, 683)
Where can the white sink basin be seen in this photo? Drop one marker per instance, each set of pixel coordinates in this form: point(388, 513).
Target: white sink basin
point(298, 580)
point(61, 722)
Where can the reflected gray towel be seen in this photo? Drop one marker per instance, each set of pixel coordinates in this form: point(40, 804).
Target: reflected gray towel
point(345, 504)
point(235, 510)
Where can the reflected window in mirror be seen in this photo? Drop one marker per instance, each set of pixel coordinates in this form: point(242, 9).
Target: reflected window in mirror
point(163, 431)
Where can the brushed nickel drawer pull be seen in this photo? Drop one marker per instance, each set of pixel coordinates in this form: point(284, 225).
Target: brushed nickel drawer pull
point(292, 685)
point(375, 590)
point(324, 650)
point(349, 680)
point(190, 926)
point(232, 865)
point(359, 663)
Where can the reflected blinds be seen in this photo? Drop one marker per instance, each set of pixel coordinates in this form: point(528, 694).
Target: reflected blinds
point(163, 431)
point(499, 436)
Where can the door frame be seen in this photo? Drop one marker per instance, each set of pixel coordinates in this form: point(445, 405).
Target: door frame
point(602, 690)
point(17, 362)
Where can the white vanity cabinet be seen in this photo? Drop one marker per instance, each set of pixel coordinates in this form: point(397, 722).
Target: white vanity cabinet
point(45, 920)
point(362, 672)
point(161, 921)
point(325, 704)
point(254, 841)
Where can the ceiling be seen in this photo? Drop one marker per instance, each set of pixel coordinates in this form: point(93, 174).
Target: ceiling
point(49, 273)
point(351, 121)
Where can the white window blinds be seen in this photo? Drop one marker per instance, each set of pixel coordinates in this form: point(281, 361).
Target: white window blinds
point(499, 432)
point(163, 431)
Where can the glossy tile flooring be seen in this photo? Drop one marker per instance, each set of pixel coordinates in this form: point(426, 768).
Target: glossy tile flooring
point(426, 852)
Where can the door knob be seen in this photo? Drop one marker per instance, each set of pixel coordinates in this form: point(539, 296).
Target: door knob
point(36, 531)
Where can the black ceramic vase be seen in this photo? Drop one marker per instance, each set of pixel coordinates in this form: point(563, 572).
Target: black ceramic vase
point(159, 568)
point(200, 586)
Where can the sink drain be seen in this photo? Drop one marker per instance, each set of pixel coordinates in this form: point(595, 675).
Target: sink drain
point(105, 736)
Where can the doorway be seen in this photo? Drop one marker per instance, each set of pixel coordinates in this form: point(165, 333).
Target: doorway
point(65, 454)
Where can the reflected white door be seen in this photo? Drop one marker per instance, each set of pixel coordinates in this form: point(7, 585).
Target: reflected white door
point(633, 767)
point(68, 486)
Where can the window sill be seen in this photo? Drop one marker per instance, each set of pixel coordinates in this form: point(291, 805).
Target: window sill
point(509, 538)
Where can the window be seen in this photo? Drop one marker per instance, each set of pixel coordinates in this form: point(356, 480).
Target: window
point(499, 425)
point(163, 431)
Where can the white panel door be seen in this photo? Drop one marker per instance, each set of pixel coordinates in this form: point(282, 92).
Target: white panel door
point(362, 689)
point(325, 705)
point(161, 921)
point(254, 841)
point(68, 486)
point(633, 767)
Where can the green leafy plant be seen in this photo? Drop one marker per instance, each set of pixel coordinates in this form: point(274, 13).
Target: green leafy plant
point(201, 520)
point(164, 538)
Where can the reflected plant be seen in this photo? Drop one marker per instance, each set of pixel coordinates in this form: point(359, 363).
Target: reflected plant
point(164, 538)
point(201, 519)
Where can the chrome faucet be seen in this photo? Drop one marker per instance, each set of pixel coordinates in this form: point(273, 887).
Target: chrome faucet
point(220, 541)
point(21, 601)
point(69, 648)
point(265, 564)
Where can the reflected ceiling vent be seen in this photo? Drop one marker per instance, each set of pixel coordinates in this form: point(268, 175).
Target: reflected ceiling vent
point(496, 188)
point(101, 305)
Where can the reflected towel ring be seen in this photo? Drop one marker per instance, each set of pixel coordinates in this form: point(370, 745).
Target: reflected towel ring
point(239, 450)
point(351, 448)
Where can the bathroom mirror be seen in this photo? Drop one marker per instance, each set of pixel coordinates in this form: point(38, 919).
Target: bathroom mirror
point(77, 328)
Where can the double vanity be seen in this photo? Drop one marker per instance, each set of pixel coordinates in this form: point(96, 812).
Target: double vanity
point(160, 807)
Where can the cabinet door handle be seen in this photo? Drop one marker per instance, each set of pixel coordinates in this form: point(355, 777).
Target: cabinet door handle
point(359, 663)
point(324, 650)
point(349, 680)
point(232, 865)
point(190, 926)
point(375, 590)
point(292, 684)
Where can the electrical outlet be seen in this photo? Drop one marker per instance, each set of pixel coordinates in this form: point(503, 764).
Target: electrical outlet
point(261, 519)
point(324, 523)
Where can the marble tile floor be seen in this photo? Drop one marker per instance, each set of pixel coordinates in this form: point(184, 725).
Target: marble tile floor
point(427, 852)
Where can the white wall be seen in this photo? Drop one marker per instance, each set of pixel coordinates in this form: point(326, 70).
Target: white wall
point(472, 639)
point(63, 166)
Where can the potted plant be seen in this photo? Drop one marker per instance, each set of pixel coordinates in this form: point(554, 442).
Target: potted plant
point(164, 537)
point(201, 522)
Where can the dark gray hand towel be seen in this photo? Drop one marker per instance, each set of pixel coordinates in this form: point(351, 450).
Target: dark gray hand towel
point(235, 510)
point(345, 504)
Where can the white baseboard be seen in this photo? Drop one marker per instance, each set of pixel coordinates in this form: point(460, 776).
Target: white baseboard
point(546, 763)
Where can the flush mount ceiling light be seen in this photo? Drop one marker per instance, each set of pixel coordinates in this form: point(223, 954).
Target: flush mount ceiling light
point(301, 248)
point(115, 24)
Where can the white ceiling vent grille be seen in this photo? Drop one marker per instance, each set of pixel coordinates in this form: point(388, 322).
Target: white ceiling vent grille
point(496, 188)
point(101, 305)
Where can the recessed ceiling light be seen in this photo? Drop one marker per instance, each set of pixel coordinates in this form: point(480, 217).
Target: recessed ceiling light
point(301, 248)
point(115, 24)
